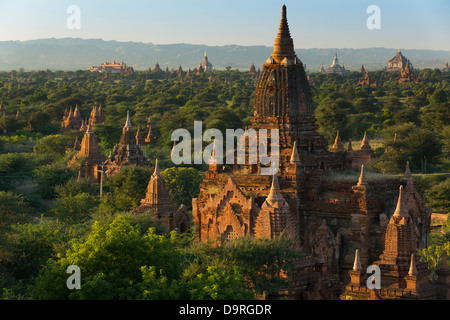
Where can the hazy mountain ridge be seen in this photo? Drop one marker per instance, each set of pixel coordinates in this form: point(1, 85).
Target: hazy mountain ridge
point(76, 54)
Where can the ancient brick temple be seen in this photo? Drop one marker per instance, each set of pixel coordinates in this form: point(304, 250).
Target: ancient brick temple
point(407, 74)
point(97, 115)
point(402, 274)
point(330, 218)
point(158, 201)
point(89, 157)
point(126, 152)
point(398, 62)
point(71, 120)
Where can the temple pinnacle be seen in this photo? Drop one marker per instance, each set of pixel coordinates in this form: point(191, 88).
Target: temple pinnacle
point(357, 263)
point(283, 44)
point(400, 211)
point(362, 178)
point(128, 122)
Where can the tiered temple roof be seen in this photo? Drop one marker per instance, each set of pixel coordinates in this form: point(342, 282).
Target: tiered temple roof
point(158, 201)
point(89, 157)
point(126, 152)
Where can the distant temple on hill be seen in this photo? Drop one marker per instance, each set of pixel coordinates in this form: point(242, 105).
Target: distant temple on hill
point(446, 68)
point(112, 67)
point(335, 68)
point(205, 65)
point(398, 62)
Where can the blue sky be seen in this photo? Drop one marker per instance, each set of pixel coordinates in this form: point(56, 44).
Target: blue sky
point(408, 24)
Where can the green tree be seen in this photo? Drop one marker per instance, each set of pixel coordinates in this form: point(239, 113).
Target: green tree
point(50, 176)
point(183, 184)
point(124, 190)
point(110, 259)
point(54, 144)
point(438, 196)
point(13, 209)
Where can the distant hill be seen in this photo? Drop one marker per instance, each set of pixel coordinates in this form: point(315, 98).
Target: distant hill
point(75, 54)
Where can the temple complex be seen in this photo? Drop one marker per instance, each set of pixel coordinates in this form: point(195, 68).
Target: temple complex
point(336, 67)
point(158, 201)
point(112, 67)
point(398, 62)
point(303, 196)
point(126, 152)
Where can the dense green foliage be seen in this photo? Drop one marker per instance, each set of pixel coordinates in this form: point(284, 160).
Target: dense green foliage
point(49, 219)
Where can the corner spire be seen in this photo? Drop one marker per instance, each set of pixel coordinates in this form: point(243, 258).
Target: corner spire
point(412, 267)
point(357, 263)
point(295, 158)
point(400, 211)
point(156, 172)
point(275, 193)
point(407, 175)
point(362, 178)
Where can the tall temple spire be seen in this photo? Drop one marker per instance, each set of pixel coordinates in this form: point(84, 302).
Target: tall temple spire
point(400, 211)
point(407, 175)
point(283, 45)
point(337, 143)
point(412, 267)
point(156, 173)
point(275, 195)
point(128, 122)
point(357, 263)
point(362, 178)
point(295, 158)
point(365, 145)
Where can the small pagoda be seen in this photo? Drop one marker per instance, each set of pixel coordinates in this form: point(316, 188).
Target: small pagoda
point(126, 152)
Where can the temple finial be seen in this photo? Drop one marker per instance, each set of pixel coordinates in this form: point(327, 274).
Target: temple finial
point(283, 46)
point(128, 122)
point(412, 267)
point(357, 263)
point(407, 174)
point(274, 193)
point(362, 177)
point(400, 210)
point(156, 172)
point(295, 158)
